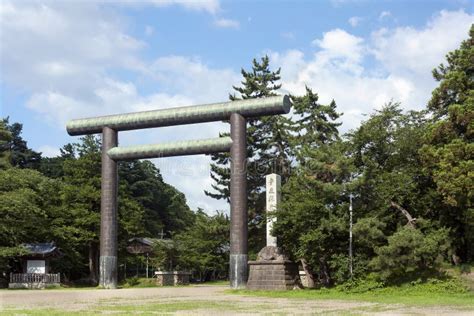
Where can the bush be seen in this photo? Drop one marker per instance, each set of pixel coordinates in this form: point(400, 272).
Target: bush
point(411, 253)
point(133, 281)
point(431, 285)
point(361, 286)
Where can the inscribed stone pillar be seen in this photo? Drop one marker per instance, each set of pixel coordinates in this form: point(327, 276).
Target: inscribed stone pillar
point(273, 186)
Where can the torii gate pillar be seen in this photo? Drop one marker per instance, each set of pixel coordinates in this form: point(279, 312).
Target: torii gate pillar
point(238, 267)
point(108, 212)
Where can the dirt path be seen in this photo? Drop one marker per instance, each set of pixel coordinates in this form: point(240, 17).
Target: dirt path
point(203, 300)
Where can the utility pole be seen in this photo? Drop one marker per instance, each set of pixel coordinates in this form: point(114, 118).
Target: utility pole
point(147, 265)
point(161, 234)
point(350, 234)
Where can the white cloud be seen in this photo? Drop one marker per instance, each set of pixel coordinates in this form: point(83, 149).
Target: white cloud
point(405, 57)
point(48, 151)
point(67, 47)
point(190, 75)
point(384, 14)
point(209, 6)
point(227, 23)
point(354, 21)
point(411, 50)
point(341, 49)
point(64, 56)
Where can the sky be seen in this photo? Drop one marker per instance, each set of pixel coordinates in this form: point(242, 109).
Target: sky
point(61, 60)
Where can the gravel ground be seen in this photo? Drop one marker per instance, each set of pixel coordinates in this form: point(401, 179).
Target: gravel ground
point(199, 297)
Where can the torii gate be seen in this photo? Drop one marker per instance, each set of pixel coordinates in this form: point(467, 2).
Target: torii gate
point(235, 111)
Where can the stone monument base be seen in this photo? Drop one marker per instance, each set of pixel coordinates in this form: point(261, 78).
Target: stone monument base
point(272, 271)
point(272, 275)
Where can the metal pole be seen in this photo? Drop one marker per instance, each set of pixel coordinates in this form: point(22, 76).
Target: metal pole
point(147, 265)
point(350, 234)
point(108, 212)
point(238, 203)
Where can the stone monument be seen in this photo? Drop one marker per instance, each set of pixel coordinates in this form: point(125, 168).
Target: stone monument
point(273, 198)
point(272, 270)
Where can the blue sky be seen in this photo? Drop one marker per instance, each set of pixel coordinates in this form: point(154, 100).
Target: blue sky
point(69, 59)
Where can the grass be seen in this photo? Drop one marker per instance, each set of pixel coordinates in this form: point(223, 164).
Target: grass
point(138, 283)
point(408, 295)
point(450, 295)
point(168, 307)
point(216, 283)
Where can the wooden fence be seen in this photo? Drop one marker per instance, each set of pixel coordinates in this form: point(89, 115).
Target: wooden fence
point(47, 278)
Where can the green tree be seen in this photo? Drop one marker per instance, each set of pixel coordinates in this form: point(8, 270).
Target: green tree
point(204, 246)
point(388, 166)
point(5, 138)
point(312, 222)
point(165, 207)
point(411, 253)
point(314, 124)
point(448, 155)
point(82, 177)
point(20, 154)
point(267, 149)
point(29, 208)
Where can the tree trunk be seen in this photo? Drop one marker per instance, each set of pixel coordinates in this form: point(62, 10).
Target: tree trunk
point(324, 277)
point(411, 220)
point(309, 274)
point(94, 263)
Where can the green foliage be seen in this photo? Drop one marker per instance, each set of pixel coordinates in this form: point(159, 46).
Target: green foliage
point(30, 205)
point(204, 246)
point(165, 254)
point(20, 154)
point(456, 81)
point(411, 252)
point(66, 209)
point(267, 149)
point(164, 207)
point(5, 138)
point(136, 282)
point(312, 221)
point(411, 175)
point(448, 155)
point(433, 292)
point(314, 124)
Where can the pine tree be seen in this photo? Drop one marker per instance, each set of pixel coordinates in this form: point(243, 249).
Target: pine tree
point(267, 147)
point(315, 124)
point(449, 155)
point(5, 138)
point(21, 155)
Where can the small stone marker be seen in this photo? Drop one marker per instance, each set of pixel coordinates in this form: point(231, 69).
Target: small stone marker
point(273, 185)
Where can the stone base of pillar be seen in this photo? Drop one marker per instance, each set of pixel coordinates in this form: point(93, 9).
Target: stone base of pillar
point(108, 272)
point(272, 271)
point(238, 271)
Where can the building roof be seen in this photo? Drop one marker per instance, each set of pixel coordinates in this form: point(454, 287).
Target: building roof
point(139, 245)
point(45, 249)
point(145, 240)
